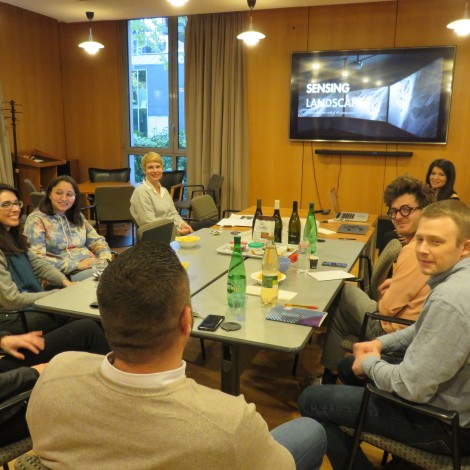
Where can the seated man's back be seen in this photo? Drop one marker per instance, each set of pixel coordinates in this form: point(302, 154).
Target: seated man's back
point(105, 423)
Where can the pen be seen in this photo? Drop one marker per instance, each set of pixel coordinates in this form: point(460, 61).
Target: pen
point(310, 307)
point(346, 239)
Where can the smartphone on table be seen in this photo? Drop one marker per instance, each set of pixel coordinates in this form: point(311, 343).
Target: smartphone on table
point(211, 322)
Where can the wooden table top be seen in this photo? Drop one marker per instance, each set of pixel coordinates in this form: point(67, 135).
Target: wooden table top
point(89, 188)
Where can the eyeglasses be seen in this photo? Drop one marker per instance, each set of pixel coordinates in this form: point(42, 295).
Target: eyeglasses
point(68, 195)
point(8, 205)
point(404, 210)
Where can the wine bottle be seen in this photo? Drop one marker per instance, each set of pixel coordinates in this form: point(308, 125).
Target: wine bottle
point(258, 212)
point(270, 269)
point(310, 229)
point(277, 223)
point(236, 279)
point(294, 226)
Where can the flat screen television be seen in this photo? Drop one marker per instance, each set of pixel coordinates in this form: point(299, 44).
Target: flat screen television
point(399, 95)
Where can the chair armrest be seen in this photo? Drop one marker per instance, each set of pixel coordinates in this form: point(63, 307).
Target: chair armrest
point(400, 321)
point(174, 188)
point(15, 400)
point(227, 211)
point(445, 416)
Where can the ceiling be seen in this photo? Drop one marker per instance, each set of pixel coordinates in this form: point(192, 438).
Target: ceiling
point(73, 11)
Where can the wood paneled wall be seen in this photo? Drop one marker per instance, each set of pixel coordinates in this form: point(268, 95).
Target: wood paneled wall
point(280, 169)
point(93, 96)
point(30, 74)
point(72, 101)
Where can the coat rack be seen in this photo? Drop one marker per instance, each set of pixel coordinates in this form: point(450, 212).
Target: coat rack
point(13, 112)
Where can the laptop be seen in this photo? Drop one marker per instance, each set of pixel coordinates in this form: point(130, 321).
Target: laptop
point(346, 216)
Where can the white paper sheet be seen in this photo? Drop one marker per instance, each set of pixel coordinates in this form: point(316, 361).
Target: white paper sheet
point(283, 294)
point(331, 275)
point(236, 220)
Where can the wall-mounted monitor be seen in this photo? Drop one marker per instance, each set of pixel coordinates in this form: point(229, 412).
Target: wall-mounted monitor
point(399, 95)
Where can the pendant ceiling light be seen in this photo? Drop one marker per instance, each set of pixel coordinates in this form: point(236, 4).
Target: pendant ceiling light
point(177, 3)
point(90, 46)
point(461, 27)
point(251, 37)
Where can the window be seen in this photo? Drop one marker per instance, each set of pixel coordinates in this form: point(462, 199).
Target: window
point(156, 92)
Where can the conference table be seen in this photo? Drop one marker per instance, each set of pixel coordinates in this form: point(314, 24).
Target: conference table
point(208, 264)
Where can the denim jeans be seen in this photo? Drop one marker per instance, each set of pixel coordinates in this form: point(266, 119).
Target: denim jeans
point(334, 405)
point(305, 439)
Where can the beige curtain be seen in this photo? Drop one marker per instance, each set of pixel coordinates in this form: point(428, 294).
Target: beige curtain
point(6, 170)
point(215, 104)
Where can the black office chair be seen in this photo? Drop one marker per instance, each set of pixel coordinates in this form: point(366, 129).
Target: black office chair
point(15, 449)
point(427, 460)
point(172, 181)
point(100, 175)
point(163, 231)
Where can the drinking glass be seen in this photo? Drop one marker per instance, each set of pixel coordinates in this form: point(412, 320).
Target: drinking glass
point(98, 266)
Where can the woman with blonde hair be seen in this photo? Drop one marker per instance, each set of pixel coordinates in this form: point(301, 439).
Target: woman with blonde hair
point(151, 201)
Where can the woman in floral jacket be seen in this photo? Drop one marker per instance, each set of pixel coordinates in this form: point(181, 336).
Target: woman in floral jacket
point(58, 231)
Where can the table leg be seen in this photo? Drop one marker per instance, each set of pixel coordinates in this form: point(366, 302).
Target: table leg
point(233, 362)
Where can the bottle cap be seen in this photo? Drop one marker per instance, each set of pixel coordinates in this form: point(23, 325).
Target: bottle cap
point(276, 204)
point(237, 239)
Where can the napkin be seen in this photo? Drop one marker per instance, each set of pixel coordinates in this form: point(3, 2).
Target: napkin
point(283, 294)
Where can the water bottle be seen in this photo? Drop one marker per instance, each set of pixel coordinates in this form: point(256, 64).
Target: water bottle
point(270, 269)
point(310, 229)
point(277, 223)
point(236, 279)
point(294, 226)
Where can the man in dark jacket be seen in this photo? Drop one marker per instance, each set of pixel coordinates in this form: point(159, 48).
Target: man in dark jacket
point(25, 358)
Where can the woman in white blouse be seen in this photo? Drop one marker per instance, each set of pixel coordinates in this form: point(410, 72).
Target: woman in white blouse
point(151, 201)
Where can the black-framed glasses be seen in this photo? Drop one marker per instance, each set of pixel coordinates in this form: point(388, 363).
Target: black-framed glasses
point(404, 210)
point(8, 205)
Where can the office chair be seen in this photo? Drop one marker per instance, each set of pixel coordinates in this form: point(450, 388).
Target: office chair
point(204, 212)
point(378, 274)
point(15, 449)
point(426, 460)
point(99, 175)
point(112, 205)
point(29, 462)
point(213, 188)
point(172, 181)
point(163, 231)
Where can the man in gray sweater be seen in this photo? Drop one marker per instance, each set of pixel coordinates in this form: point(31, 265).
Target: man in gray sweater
point(436, 365)
point(136, 409)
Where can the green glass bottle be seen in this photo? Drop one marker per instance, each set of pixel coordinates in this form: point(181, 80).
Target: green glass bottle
point(310, 229)
point(277, 223)
point(236, 279)
point(258, 212)
point(294, 226)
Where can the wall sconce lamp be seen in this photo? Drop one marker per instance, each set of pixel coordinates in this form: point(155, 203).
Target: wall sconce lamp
point(90, 46)
point(461, 27)
point(177, 3)
point(251, 37)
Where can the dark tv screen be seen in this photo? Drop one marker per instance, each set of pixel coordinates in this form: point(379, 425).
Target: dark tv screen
point(399, 95)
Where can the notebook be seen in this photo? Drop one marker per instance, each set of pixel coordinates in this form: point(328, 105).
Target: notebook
point(298, 316)
point(353, 229)
point(346, 216)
